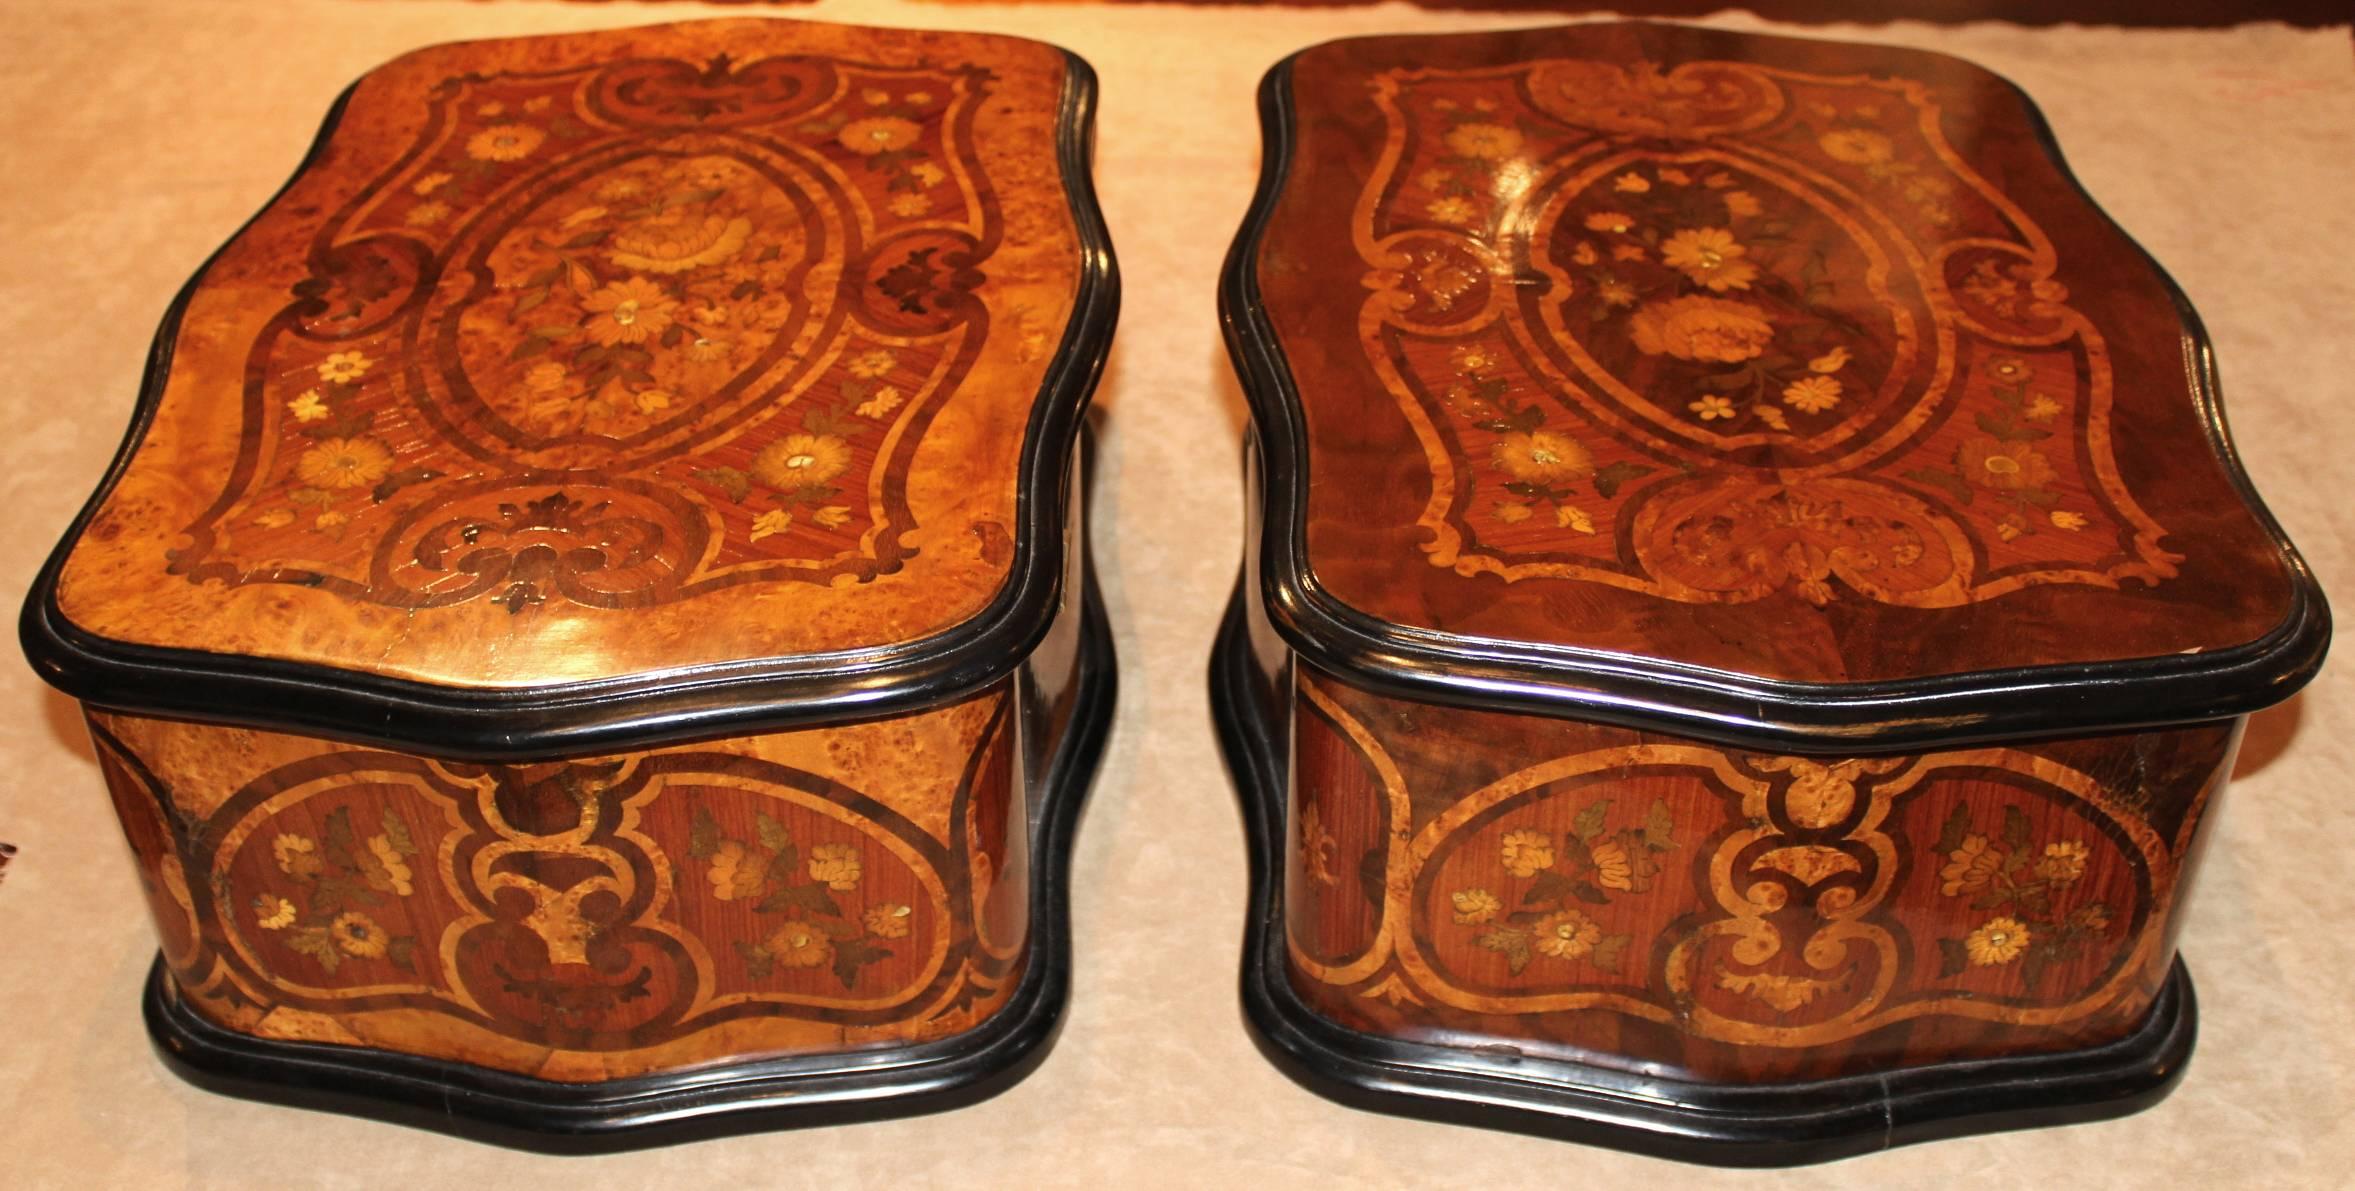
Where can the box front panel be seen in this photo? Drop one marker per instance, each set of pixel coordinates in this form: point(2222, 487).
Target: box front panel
point(594, 917)
point(1659, 904)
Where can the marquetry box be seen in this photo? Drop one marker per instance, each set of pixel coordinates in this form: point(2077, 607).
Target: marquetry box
point(589, 635)
point(1750, 600)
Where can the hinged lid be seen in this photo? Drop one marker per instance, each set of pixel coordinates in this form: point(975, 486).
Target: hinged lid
point(600, 389)
point(1780, 392)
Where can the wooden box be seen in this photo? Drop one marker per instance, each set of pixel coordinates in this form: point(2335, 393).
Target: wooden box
point(590, 635)
point(1750, 600)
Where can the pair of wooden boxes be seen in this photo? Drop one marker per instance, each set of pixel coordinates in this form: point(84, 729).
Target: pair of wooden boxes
point(591, 637)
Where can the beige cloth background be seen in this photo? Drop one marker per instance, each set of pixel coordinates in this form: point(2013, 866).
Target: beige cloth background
point(137, 136)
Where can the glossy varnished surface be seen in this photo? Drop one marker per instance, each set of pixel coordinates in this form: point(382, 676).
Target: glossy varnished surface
point(584, 356)
point(595, 918)
point(1652, 904)
point(1799, 361)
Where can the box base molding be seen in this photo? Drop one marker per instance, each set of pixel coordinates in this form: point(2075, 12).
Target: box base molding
point(711, 1101)
point(1754, 1125)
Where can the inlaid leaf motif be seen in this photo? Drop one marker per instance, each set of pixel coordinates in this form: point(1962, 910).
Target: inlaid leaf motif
point(1659, 827)
point(1588, 826)
point(1512, 942)
point(397, 834)
point(703, 834)
point(772, 833)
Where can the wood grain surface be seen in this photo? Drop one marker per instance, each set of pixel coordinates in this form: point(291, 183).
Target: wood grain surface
point(575, 357)
point(1802, 361)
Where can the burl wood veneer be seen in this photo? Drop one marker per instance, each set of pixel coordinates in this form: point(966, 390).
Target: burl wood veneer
point(590, 636)
point(1750, 601)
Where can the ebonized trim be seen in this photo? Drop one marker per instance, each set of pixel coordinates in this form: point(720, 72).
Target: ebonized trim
point(1719, 1124)
point(711, 1101)
point(639, 710)
point(1715, 705)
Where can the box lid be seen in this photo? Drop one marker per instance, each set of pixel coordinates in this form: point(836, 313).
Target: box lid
point(603, 388)
point(1779, 392)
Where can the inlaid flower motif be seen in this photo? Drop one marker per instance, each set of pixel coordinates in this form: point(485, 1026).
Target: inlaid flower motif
point(2003, 466)
point(2042, 409)
point(734, 872)
point(381, 866)
point(1474, 906)
point(1609, 221)
point(1567, 934)
point(358, 935)
point(885, 400)
point(832, 516)
point(345, 463)
point(1856, 146)
point(307, 406)
point(928, 173)
point(1712, 407)
point(1451, 210)
point(652, 401)
point(1631, 184)
point(798, 945)
point(632, 310)
point(428, 184)
point(1694, 327)
point(1971, 867)
point(770, 524)
point(800, 460)
point(1614, 869)
point(1488, 142)
point(331, 519)
point(878, 134)
point(1813, 394)
point(888, 921)
point(1628, 252)
point(545, 377)
point(1316, 847)
point(504, 142)
point(703, 349)
point(2062, 862)
point(2093, 916)
point(677, 245)
point(1474, 357)
point(1542, 457)
point(275, 519)
point(869, 365)
point(1998, 941)
point(2009, 370)
point(271, 912)
point(427, 214)
point(837, 865)
point(1829, 362)
point(909, 206)
point(1614, 292)
point(345, 367)
point(2064, 519)
point(1711, 257)
point(1741, 204)
point(1525, 852)
point(1512, 512)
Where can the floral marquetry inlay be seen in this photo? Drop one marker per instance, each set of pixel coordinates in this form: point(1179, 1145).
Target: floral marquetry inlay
point(589, 917)
point(1747, 899)
point(1716, 331)
point(693, 317)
